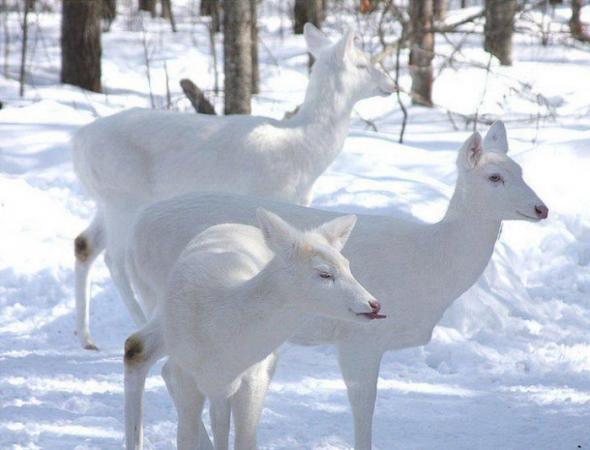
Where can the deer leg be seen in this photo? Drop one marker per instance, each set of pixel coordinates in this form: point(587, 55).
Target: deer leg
point(142, 351)
point(248, 401)
point(116, 264)
point(87, 246)
point(189, 401)
point(220, 412)
point(360, 370)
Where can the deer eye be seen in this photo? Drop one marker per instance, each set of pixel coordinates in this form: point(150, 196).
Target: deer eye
point(326, 275)
point(495, 178)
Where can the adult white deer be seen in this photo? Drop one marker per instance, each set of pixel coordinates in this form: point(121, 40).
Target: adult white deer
point(235, 294)
point(416, 269)
point(139, 156)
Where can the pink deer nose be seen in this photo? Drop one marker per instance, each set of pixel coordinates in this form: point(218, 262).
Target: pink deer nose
point(542, 211)
point(375, 305)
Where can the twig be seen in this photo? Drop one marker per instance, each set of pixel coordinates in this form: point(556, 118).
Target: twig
point(368, 122)
point(147, 64)
point(454, 26)
point(6, 27)
point(398, 94)
point(23, 55)
point(168, 96)
point(483, 94)
point(275, 61)
point(390, 6)
point(167, 11)
point(211, 29)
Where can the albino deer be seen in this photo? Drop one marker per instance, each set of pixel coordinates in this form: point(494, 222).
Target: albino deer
point(139, 156)
point(234, 295)
point(416, 269)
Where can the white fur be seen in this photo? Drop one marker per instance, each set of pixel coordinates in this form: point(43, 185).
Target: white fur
point(415, 269)
point(234, 295)
point(139, 156)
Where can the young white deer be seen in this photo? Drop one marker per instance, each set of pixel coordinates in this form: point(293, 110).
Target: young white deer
point(139, 156)
point(416, 269)
point(234, 295)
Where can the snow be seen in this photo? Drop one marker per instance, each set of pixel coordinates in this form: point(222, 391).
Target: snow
point(509, 365)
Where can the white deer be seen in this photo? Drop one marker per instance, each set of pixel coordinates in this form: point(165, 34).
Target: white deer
point(416, 269)
point(235, 294)
point(139, 156)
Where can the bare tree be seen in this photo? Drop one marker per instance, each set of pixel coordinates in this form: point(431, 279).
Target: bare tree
point(577, 29)
point(149, 6)
point(421, 51)
point(5, 25)
point(206, 7)
point(211, 8)
point(167, 13)
point(498, 29)
point(315, 12)
point(440, 9)
point(308, 11)
point(299, 16)
point(254, 51)
point(109, 13)
point(28, 5)
point(237, 56)
point(165, 8)
point(80, 43)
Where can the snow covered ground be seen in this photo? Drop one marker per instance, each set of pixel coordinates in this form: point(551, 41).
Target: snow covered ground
point(508, 367)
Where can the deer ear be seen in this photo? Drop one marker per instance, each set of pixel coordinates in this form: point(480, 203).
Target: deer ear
point(280, 237)
point(338, 231)
point(471, 151)
point(496, 139)
point(315, 39)
point(344, 45)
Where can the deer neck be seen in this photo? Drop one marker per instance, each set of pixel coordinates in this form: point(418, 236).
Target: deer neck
point(323, 119)
point(467, 236)
point(267, 313)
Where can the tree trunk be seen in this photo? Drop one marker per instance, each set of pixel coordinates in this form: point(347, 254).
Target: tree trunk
point(237, 56)
point(315, 12)
point(576, 27)
point(206, 7)
point(211, 8)
point(80, 43)
point(440, 9)
point(167, 13)
point(254, 51)
point(498, 29)
point(28, 6)
point(421, 51)
point(109, 13)
point(149, 6)
point(166, 8)
point(6, 37)
point(299, 16)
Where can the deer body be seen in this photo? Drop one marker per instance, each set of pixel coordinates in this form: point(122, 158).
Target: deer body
point(457, 250)
point(136, 157)
point(416, 269)
point(234, 295)
point(167, 153)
